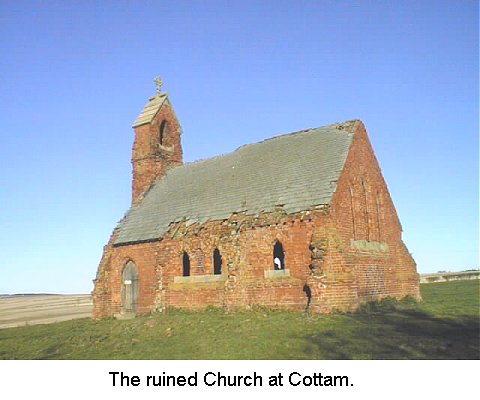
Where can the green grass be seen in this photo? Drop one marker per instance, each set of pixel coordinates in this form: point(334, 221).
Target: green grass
point(444, 326)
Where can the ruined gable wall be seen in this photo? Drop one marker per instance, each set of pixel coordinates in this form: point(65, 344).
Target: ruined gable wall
point(368, 225)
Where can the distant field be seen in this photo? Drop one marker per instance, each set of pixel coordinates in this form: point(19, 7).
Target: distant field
point(444, 326)
point(19, 310)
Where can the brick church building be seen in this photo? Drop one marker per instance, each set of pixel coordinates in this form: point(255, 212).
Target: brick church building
point(302, 220)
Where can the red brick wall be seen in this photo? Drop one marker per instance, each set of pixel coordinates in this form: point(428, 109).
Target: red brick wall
point(370, 215)
point(246, 245)
point(246, 253)
point(108, 285)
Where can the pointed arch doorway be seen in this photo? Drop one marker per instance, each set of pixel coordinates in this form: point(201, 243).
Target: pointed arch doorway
point(129, 288)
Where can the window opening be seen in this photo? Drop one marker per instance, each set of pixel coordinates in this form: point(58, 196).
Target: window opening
point(186, 264)
point(278, 256)
point(162, 131)
point(308, 292)
point(217, 262)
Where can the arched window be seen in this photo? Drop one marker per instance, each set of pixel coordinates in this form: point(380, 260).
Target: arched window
point(217, 262)
point(186, 264)
point(162, 131)
point(278, 256)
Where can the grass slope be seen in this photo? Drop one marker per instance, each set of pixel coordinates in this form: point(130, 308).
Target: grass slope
point(444, 326)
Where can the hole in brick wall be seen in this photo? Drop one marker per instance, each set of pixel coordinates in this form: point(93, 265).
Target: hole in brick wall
point(217, 262)
point(278, 256)
point(308, 293)
point(186, 264)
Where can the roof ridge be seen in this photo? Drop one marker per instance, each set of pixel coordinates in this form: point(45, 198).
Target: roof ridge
point(338, 125)
point(341, 126)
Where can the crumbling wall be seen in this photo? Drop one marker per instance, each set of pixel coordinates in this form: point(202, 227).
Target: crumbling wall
point(332, 280)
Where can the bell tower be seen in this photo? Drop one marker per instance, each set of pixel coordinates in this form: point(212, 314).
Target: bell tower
point(157, 146)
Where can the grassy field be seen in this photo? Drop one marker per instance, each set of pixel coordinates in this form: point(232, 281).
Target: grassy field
point(444, 326)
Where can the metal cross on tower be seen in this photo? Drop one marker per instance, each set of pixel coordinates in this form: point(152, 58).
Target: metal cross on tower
point(158, 84)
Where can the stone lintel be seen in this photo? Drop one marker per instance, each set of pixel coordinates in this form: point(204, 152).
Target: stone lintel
point(276, 273)
point(200, 279)
point(370, 246)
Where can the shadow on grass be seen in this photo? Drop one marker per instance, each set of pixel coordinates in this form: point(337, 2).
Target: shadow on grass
point(389, 331)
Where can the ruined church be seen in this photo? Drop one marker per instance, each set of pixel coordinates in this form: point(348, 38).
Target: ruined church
point(299, 221)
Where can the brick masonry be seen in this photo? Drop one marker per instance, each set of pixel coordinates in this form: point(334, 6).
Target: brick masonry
point(152, 157)
point(336, 256)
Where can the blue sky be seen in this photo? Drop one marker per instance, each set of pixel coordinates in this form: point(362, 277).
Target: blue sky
point(75, 75)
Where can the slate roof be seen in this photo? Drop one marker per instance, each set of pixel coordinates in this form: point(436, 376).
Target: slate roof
point(297, 171)
point(150, 110)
